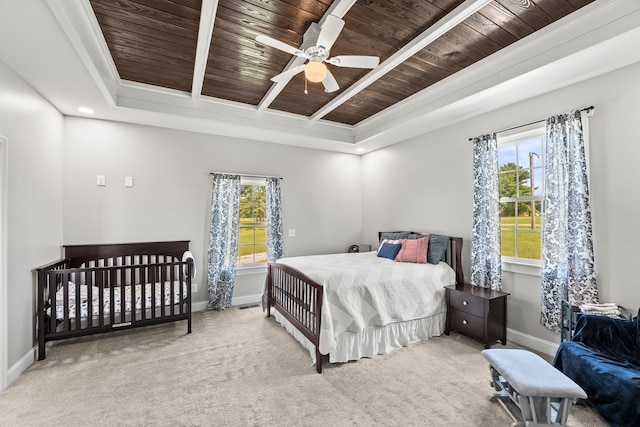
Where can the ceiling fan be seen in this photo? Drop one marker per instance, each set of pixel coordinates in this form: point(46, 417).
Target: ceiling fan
point(315, 49)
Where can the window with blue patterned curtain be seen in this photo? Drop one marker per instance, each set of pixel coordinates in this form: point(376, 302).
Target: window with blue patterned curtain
point(245, 230)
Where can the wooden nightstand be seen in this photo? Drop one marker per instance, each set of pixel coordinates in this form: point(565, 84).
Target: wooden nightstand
point(477, 312)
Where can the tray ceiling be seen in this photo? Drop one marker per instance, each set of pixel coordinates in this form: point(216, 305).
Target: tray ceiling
point(168, 44)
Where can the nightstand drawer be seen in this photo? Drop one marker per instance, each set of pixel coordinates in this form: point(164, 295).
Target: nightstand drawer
point(468, 303)
point(467, 324)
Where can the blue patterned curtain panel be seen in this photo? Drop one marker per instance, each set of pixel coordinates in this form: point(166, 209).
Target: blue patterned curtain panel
point(223, 239)
point(486, 260)
point(567, 246)
point(275, 244)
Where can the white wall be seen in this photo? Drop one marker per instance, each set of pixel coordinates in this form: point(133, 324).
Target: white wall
point(34, 131)
point(171, 194)
point(426, 184)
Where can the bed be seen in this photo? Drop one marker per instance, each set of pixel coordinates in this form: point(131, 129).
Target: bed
point(354, 305)
point(107, 287)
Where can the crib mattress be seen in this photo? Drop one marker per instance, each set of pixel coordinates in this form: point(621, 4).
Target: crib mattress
point(156, 293)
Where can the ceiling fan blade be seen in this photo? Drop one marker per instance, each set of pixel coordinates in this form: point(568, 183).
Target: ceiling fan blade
point(355, 61)
point(277, 44)
point(285, 76)
point(330, 84)
point(330, 31)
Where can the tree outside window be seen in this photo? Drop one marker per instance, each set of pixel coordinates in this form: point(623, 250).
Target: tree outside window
point(521, 172)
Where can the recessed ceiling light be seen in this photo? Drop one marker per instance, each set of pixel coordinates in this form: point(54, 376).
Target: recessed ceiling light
point(86, 110)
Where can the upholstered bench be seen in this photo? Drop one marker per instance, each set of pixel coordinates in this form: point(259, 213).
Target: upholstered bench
point(543, 394)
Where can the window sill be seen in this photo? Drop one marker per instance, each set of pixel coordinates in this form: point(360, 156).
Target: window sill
point(251, 269)
point(522, 266)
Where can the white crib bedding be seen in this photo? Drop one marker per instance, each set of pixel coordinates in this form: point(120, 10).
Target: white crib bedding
point(117, 293)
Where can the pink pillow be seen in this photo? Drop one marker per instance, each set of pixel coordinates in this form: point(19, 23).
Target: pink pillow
point(413, 250)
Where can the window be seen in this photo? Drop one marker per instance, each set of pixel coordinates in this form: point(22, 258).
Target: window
point(521, 158)
point(252, 242)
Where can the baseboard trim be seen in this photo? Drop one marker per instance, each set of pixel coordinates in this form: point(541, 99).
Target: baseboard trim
point(236, 301)
point(534, 343)
point(21, 365)
point(247, 300)
point(199, 306)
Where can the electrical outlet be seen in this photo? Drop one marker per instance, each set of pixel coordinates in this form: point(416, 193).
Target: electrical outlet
point(194, 287)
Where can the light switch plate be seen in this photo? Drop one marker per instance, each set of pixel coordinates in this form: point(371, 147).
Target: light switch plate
point(128, 181)
point(292, 232)
point(101, 180)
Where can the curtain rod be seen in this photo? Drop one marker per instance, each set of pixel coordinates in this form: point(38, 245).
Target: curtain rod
point(587, 109)
point(245, 175)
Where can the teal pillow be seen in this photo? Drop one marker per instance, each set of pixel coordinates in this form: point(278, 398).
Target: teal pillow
point(437, 248)
point(389, 250)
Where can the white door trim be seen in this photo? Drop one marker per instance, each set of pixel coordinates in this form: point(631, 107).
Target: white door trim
point(4, 174)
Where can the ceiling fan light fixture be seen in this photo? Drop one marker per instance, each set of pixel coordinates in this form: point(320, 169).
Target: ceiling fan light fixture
point(315, 71)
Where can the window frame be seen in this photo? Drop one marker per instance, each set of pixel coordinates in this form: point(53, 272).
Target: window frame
point(517, 264)
point(250, 268)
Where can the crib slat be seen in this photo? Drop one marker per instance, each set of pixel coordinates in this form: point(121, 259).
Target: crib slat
point(89, 282)
point(132, 285)
point(78, 289)
point(113, 279)
point(143, 291)
point(172, 284)
point(53, 300)
point(152, 281)
point(163, 279)
point(100, 284)
point(123, 295)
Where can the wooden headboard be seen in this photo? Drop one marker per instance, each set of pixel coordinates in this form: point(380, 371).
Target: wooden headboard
point(80, 254)
point(453, 255)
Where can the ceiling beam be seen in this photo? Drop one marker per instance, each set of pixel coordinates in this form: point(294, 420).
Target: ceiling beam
point(205, 32)
point(338, 8)
point(453, 18)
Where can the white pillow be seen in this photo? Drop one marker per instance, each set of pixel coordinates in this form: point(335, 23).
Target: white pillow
point(395, 242)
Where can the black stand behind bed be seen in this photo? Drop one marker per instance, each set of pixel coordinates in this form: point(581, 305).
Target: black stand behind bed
point(91, 278)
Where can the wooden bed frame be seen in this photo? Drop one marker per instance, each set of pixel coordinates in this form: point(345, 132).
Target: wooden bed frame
point(112, 266)
point(299, 298)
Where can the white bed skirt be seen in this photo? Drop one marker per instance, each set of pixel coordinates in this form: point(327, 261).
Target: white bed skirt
point(372, 340)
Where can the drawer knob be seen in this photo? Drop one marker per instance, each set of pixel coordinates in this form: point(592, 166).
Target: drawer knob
point(465, 302)
point(464, 322)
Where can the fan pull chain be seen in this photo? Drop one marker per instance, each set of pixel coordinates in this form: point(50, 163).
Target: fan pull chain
point(306, 92)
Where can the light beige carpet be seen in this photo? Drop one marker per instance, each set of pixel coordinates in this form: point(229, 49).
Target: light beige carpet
point(239, 368)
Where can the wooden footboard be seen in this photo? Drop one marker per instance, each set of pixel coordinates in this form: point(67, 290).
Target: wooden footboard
point(102, 288)
point(299, 300)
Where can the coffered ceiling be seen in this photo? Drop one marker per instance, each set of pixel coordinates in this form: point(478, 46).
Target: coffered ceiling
point(156, 42)
point(196, 64)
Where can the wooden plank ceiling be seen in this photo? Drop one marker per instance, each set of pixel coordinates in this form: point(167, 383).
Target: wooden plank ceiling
point(154, 42)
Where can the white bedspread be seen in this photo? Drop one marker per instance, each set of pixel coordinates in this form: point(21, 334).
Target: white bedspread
point(363, 290)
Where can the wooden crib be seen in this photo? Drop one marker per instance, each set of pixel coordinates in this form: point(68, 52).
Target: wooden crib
point(106, 287)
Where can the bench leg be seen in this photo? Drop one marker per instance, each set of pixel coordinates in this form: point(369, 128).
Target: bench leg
point(534, 411)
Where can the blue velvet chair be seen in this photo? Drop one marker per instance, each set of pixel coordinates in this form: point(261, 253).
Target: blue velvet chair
point(604, 359)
